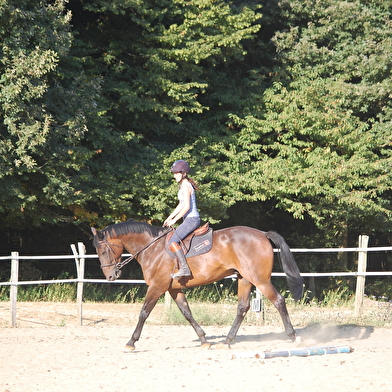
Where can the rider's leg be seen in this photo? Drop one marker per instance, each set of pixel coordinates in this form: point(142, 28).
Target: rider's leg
point(184, 269)
point(186, 227)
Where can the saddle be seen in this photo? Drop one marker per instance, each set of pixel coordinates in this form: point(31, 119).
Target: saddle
point(196, 243)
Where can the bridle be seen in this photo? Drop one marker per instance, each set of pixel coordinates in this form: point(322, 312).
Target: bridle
point(108, 244)
point(121, 264)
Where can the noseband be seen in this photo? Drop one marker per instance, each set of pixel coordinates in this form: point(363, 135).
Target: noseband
point(121, 264)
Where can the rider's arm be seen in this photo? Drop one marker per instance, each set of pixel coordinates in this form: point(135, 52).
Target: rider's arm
point(182, 208)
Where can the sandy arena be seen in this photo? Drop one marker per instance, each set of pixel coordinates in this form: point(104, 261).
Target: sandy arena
point(49, 352)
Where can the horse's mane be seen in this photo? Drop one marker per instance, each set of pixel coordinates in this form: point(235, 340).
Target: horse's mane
point(132, 226)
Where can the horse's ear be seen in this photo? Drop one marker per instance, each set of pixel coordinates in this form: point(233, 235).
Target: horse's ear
point(97, 233)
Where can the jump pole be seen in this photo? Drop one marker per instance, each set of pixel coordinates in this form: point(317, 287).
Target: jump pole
point(302, 352)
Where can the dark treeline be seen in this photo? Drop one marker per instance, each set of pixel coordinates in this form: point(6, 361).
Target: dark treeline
point(282, 108)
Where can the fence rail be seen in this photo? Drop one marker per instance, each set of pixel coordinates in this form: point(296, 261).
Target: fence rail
point(79, 257)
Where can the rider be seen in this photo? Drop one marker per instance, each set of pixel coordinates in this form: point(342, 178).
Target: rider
point(185, 209)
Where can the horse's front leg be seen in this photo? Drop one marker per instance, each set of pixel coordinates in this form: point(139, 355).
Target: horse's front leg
point(152, 297)
point(180, 299)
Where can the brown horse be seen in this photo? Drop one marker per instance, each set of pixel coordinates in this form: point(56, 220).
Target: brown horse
point(238, 250)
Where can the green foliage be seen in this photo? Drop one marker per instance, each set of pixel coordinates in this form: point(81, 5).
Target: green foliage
point(283, 112)
point(336, 298)
point(66, 292)
point(205, 314)
point(56, 292)
point(44, 109)
point(224, 290)
point(318, 141)
point(380, 290)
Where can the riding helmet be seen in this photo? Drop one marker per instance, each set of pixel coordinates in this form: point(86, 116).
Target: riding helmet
point(180, 166)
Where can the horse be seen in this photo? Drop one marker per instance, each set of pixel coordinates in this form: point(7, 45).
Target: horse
point(241, 250)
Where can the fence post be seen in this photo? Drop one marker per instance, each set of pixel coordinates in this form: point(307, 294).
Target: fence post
point(14, 287)
point(82, 252)
point(80, 262)
point(362, 263)
point(168, 299)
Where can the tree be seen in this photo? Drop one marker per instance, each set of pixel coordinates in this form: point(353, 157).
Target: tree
point(286, 111)
point(160, 63)
point(90, 110)
point(317, 141)
point(46, 109)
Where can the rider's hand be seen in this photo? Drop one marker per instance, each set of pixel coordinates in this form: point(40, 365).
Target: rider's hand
point(169, 222)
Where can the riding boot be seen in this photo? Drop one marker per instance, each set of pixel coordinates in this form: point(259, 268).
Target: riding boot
point(184, 269)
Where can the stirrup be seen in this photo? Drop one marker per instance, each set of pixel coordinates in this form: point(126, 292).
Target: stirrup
point(181, 273)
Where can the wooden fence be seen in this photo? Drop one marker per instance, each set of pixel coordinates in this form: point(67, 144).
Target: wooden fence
point(80, 256)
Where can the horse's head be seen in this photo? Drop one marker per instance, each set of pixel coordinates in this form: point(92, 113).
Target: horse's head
point(109, 253)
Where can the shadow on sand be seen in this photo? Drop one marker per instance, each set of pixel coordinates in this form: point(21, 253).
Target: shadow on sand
point(313, 334)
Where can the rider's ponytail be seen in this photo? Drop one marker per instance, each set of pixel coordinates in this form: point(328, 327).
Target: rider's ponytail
point(191, 180)
point(193, 183)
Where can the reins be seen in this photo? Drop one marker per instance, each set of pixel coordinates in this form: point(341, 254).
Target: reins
point(132, 256)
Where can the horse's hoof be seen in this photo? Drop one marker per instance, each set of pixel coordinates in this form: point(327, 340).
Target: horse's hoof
point(298, 341)
point(129, 349)
point(206, 345)
point(222, 346)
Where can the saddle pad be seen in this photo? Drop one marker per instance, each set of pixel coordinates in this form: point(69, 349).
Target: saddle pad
point(200, 244)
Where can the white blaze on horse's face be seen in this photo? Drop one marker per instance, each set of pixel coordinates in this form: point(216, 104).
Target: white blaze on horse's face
point(109, 254)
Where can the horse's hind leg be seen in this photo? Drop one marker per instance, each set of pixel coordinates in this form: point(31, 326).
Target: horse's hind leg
point(270, 292)
point(244, 288)
point(180, 299)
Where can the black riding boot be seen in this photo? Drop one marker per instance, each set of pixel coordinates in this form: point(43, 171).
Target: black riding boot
point(184, 269)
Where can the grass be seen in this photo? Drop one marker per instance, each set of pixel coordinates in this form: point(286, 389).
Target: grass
point(205, 313)
point(376, 315)
point(66, 292)
point(217, 305)
point(337, 310)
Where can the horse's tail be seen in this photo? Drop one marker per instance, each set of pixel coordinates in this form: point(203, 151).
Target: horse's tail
point(294, 278)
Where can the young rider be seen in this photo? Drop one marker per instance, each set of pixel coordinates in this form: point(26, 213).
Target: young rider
point(187, 210)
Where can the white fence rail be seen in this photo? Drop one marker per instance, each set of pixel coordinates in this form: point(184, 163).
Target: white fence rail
point(79, 257)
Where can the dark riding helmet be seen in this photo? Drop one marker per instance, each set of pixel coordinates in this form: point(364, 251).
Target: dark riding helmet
point(180, 166)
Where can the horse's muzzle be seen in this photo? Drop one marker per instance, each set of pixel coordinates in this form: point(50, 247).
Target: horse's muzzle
point(112, 277)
